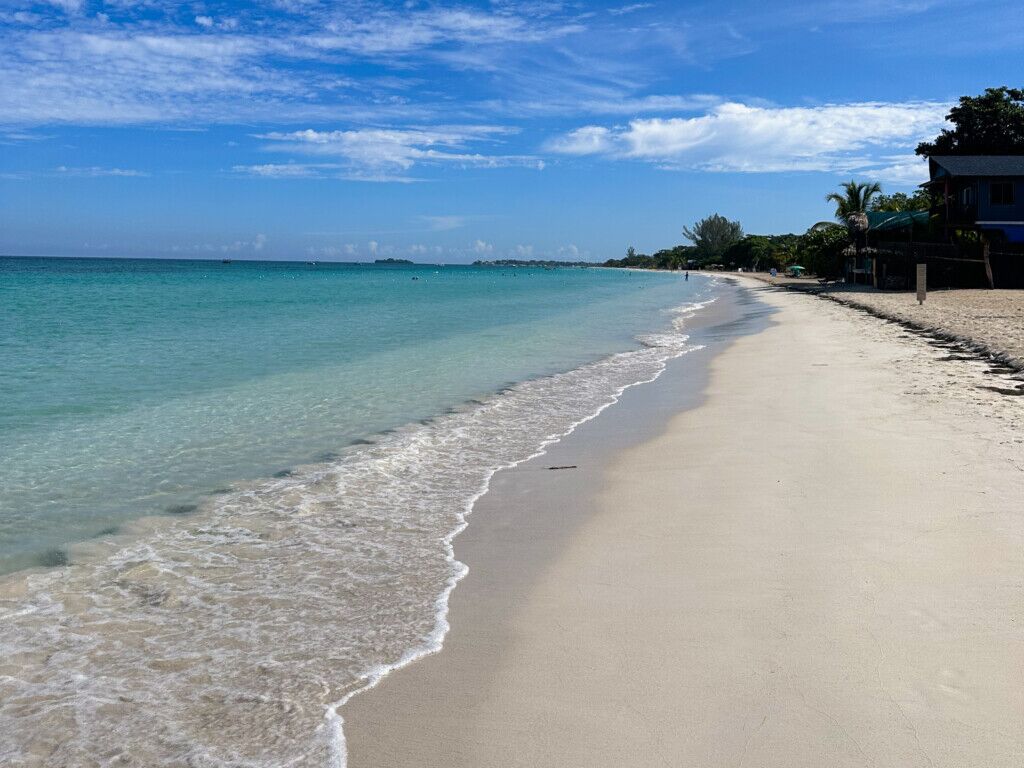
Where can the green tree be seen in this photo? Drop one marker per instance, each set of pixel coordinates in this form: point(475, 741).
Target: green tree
point(712, 236)
point(900, 201)
point(855, 198)
point(761, 252)
point(820, 249)
point(989, 124)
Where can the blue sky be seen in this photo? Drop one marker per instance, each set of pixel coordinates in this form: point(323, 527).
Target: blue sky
point(444, 131)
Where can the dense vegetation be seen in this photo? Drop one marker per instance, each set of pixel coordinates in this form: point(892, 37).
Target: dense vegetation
point(989, 124)
point(900, 201)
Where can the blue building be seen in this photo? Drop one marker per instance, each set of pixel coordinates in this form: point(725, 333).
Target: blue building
point(980, 192)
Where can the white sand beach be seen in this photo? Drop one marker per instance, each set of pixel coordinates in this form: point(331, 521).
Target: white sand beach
point(821, 564)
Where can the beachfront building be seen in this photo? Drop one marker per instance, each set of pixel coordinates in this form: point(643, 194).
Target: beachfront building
point(973, 235)
point(980, 192)
point(983, 194)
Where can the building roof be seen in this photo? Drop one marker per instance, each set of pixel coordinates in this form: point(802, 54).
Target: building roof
point(881, 221)
point(976, 165)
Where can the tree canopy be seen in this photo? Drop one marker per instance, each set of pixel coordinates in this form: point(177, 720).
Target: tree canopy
point(678, 257)
point(900, 201)
point(712, 235)
point(761, 252)
point(989, 124)
point(856, 197)
point(821, 249)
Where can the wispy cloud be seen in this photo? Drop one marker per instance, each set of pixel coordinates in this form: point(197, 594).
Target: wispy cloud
point(95, 171)
point(389, 33)
point(90, 70)
point(18, 137)
point(443, 223)
point(284, 170)
point(375, 154)
point(741, 138)
point(624, 9)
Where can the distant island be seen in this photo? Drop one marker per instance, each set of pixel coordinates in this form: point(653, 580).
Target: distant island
point(533, 263)
point(393, 261)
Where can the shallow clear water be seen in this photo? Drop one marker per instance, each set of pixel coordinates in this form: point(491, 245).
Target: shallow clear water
point(319, 432)
point(135, 387)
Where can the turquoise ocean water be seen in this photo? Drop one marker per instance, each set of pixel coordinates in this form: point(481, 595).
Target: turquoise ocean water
point(245, 479)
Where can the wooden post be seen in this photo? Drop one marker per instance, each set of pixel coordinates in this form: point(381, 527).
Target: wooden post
point(922, 283)
point(988, 264)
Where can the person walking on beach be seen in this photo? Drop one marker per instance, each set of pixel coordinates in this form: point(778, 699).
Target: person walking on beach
point(686, 277)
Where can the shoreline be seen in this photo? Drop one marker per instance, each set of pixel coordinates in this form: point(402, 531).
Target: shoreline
point(434, 644)
point(344, 589)
point(560, 630)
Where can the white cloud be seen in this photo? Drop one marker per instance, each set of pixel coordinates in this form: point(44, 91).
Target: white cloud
point(903, 170)
point(20, 136)
point(92, 77)
point(388, 154)
point(522, 251)
point(623, 10)
point(281, 170)
point(66, 67)
point(588, 140)
point(96, 171)
point(569, 251)
point(482, 248)
point(258, 242)
point(389, 33)
point(739, 137)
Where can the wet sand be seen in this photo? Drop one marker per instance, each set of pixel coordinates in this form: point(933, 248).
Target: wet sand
point(808, 555)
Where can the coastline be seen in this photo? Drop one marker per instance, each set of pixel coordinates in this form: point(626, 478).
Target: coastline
point(687, 596)
point(305, 586)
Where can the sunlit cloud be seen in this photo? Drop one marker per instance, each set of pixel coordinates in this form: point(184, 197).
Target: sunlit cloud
point(735, 137)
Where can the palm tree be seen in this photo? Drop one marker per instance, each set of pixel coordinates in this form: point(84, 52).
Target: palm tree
point(854, 199)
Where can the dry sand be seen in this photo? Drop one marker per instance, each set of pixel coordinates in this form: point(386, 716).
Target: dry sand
point(820, 565)
point(993, 320)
